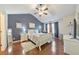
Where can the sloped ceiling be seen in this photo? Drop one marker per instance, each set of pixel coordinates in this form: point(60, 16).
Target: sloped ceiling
point(55, 11)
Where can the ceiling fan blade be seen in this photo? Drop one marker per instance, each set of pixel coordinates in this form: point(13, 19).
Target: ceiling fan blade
point(40, 15)
point(37, 8)
point(35, 13)
point(45, 9)
point(45, 13)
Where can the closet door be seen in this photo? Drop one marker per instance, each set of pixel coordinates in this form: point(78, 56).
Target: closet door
point(3, 39)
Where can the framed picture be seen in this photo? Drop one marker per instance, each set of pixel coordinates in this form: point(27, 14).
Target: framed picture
point(31, 25)
point(18, 25)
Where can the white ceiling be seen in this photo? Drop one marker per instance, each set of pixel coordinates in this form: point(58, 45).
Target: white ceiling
point(56, 11)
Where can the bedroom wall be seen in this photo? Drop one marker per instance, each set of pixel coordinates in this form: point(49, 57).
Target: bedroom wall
point(24, 19)
point(64, 27)
point(77, 18)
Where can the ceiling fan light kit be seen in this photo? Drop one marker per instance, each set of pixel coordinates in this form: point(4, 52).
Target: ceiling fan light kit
point(41, 10)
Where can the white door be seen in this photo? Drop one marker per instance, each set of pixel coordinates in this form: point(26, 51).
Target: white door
point(3, 39)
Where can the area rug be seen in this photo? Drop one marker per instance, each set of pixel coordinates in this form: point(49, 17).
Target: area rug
point(27, 46)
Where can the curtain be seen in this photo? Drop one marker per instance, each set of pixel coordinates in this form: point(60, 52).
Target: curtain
point(56, 25)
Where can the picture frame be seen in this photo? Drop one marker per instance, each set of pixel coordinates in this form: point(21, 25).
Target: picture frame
point(18, 25)
point(31, 25)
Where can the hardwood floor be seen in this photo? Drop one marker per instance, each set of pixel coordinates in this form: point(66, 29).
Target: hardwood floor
point(54, 48)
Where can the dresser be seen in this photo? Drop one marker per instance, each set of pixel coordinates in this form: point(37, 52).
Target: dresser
point(71, 46)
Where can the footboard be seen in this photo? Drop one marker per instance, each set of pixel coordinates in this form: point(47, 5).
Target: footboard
point(41, 39)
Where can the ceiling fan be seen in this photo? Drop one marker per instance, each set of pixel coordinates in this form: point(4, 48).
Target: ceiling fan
point(41, 10)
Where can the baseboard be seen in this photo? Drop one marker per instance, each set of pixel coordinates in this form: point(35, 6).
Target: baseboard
point(16, 41)
point(66, 54)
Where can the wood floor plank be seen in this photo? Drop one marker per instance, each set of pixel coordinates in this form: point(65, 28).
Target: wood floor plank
point(47, 49)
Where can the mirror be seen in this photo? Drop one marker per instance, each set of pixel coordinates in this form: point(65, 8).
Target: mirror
point(78, 31)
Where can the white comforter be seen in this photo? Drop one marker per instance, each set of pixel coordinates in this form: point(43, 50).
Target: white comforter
point(41, 39)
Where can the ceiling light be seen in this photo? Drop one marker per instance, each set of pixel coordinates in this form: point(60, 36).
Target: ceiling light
point(41, 10)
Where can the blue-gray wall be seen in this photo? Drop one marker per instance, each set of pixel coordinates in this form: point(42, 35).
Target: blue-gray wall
point(25, 19)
